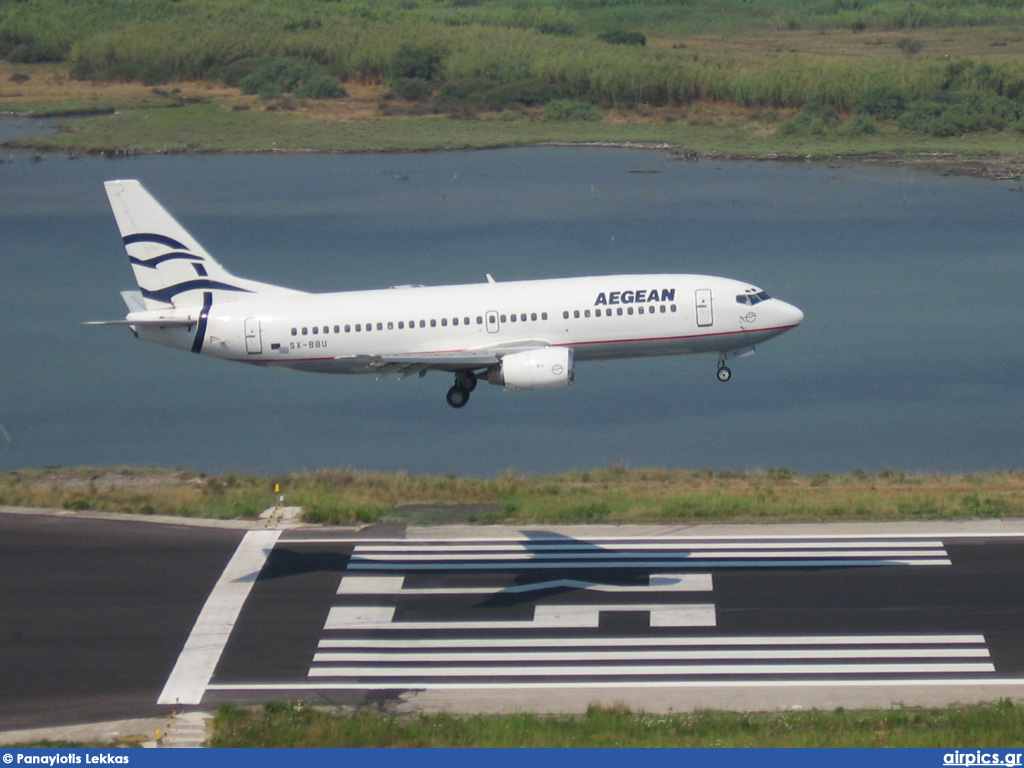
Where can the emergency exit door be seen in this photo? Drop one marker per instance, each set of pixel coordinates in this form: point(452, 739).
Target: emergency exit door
point(705, 312)
point(253, 337)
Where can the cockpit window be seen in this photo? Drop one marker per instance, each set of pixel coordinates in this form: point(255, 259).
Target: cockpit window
point(752, 297)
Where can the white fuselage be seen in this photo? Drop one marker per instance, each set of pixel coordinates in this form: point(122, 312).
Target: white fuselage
point(615, 316)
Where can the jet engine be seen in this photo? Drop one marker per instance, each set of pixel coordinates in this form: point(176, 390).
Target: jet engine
point(542, 368)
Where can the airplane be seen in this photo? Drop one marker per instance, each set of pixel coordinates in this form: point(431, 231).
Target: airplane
point(520, 335)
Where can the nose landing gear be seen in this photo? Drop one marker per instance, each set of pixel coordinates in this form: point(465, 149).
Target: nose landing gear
point(724, 373)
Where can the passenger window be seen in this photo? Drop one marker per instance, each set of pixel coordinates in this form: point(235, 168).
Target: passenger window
point(533, 316)
point(295, 331)
point(503, 319)
point(444, 322)
point(576, 313)
point(433, 323)
point(479, 320)
point(465, 321)
point(455, 321)
point(629, 310)
point(565, 315)
point(523, 317)
point(512, 318)
point(348, 329)
point(305, 331)
point(618, 311)
point(586, 313)
point(543, 315)
point(673, 308)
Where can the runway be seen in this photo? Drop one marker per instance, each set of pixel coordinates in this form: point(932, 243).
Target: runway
point(104, 619)
point(610, 618)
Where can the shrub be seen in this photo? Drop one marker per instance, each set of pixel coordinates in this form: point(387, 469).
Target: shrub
point(563, 110)
point(320, 86)
point(860, 125)
point(411, 61)
point(272, 78)
point(883, 102)
point(622, 37)
point(411, 89)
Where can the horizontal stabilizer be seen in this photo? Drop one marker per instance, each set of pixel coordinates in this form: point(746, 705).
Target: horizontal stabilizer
point(161, 322)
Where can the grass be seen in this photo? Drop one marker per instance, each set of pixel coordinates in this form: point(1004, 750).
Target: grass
point(209, 127)
point(288, 725)
point(615, 495)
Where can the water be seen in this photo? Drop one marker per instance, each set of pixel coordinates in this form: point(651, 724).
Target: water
point(909, 357)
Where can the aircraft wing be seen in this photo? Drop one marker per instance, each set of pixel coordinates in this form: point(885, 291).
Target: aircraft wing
point(407, 363)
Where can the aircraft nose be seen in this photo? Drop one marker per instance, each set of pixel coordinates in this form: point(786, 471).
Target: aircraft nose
point(793, 316)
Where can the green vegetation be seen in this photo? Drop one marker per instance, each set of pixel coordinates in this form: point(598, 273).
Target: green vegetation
point(286, 725)
point(865, 72)
point(611, 495)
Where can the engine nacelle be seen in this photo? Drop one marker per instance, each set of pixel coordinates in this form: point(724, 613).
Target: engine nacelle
point(543, 368)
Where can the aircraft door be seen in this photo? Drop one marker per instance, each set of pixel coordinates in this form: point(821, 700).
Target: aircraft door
point(491, 318)
point(705, 313)
point(253, 337)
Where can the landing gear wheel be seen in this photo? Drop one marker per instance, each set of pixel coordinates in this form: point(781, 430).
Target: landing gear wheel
point(724, 374)
point(457, 396)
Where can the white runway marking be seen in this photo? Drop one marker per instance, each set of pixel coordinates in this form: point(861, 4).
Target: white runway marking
point(191, 675)
point(715, 641)
point(413, 676)
point(362, 564)
point(547, 616)
point(554, 553)
point(395, 585)
point(661, 661)
point(508, 657)
point(407, 634)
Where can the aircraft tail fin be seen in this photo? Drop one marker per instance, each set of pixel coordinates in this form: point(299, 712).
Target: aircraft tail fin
point(171, 268)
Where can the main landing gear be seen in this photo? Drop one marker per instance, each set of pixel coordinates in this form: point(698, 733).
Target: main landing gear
point(724, 374)
point(458, 395)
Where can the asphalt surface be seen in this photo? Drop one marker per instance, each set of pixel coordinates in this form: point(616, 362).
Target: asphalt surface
point(97, 617)
point(93, 613)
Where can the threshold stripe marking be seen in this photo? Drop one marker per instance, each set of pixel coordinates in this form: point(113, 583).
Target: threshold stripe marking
point(325, 685)
point(547, 616)
point(360, 564)
point(688, 554)
point(663, 545)
point(395, 585)
point(502, 657)
point(197, 661)
point(682, 642)
point(408, 675)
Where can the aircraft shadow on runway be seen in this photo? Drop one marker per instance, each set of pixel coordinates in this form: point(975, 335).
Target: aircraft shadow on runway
point(527, 586)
